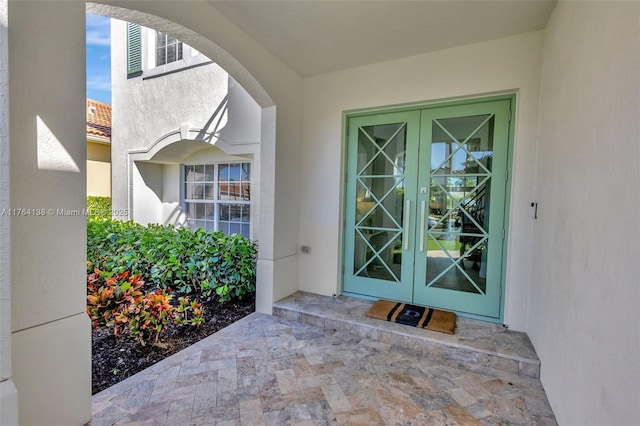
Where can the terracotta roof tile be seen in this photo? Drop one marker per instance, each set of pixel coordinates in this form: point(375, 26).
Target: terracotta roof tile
point(98, 119)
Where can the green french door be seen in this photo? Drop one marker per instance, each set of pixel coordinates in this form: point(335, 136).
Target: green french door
point(425, 206)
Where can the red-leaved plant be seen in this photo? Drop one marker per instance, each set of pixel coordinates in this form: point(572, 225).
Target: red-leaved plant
point(118, 302)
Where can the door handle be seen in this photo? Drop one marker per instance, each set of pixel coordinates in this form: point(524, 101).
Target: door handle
point(407, 213)
point(422, 205)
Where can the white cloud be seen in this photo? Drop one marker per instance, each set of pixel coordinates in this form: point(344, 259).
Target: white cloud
point(98, 30)
point(97, 38)
point(99, 82)
point(97, 21)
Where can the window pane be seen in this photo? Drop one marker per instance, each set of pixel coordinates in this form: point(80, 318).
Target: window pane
point(245, 193)
point(224, 211)
point(171, 53)
point(224, 227)
point(160, 56)
point(200, 224)
point(246, 172)
point(209, 194)
point(235, 228)
point(168, 49)
point(200, 191)
point(189, 173)
point(223, 191)
point(179, 52)
point(223, 172)
point(246, 213)
point(191, 210)
point(161, 39)
point(199, 211)
point(209, 172)
point(234, 191)
point(245, 230)
point(188, 190)
point(199, 173)
point(209, 211)
point(235, 210)
point(234, 172)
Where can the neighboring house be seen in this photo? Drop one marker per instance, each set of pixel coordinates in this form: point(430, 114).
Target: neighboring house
point(98, 149)
point(370, 117)
point(187, 140)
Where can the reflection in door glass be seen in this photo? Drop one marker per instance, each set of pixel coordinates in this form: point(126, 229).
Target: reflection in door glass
point(459, 198)
point(379, 201)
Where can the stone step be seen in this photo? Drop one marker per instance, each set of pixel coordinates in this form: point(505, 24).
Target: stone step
point(476, 345)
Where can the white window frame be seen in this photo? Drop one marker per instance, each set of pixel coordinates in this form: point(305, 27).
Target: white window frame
point(190, 57)
point(179, 46)
point(216, 201)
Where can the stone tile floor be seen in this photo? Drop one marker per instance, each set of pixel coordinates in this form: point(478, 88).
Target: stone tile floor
point(476, 343)
point(274, 371)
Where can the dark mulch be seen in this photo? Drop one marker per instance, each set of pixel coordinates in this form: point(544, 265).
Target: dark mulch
point(116, 358)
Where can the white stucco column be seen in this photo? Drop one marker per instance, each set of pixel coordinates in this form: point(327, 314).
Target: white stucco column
point(8, 393)
point(51, 338)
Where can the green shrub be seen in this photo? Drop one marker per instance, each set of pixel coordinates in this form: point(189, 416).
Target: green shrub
point(198, 262)
point(98, 208)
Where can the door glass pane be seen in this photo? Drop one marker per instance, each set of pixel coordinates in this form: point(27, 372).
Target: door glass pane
point(459, 196)
point(380, 201)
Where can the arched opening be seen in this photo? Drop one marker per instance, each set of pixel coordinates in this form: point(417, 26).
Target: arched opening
point(204, 45)
point(49, 325)
point(167, 127)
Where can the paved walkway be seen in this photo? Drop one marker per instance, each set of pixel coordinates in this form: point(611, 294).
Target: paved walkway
point(266, 370)
point(479, 345)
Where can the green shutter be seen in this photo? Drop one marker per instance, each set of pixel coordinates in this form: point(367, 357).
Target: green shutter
point(134, 49)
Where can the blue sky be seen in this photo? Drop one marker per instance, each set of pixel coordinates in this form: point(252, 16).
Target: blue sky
point(98, 58)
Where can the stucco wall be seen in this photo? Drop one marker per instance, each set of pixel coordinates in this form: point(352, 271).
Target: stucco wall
point(98, 178)
point(8, 393)
point(147, 193)
point(51, 332)
point(583, 316)
point(509, 64)
point(98, 152)
point(5, 289)
point(146, 109)
point(98, 169)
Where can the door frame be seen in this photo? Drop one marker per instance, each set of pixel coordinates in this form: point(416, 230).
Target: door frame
point(347, 115)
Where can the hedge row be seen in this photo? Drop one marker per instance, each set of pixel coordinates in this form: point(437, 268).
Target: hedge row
point(186, 261)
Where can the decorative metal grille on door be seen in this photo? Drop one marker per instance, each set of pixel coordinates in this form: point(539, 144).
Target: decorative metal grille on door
point(379, 201)
point(457, 231)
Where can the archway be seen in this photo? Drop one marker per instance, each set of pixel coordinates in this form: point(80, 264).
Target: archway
point(265, 294)
point(49, 323)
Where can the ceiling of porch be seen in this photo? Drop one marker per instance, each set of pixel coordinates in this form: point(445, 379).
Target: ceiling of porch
point(316, 36)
